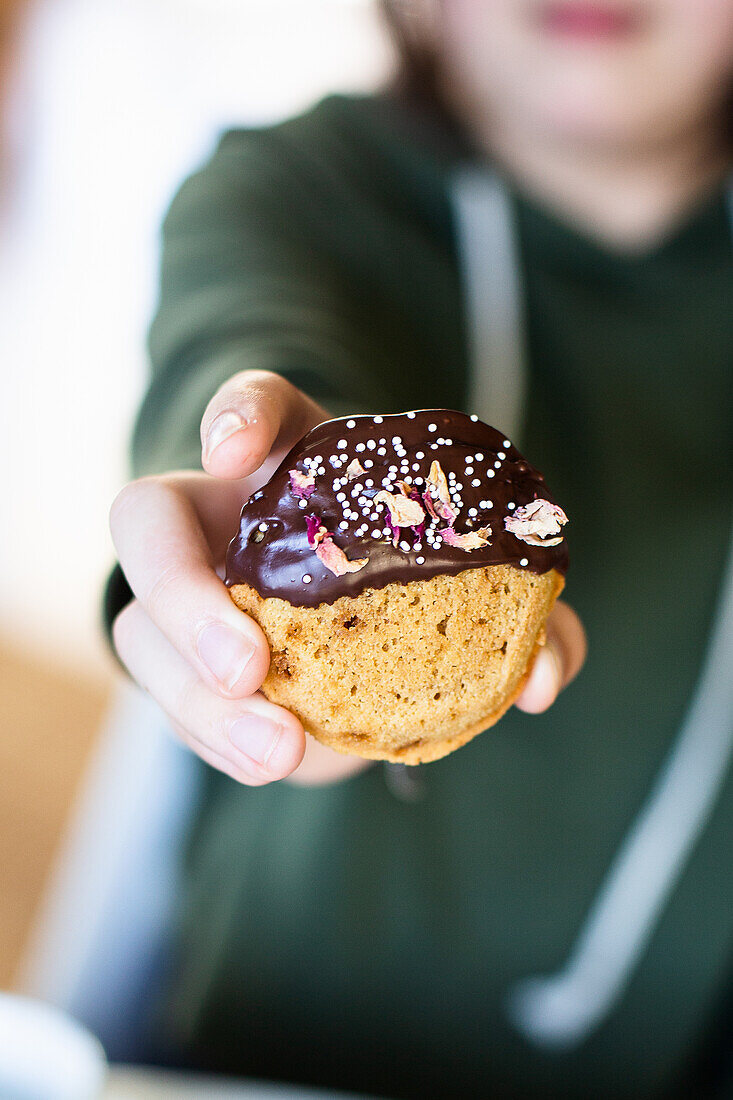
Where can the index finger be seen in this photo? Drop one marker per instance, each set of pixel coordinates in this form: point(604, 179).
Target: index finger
point(167, 561)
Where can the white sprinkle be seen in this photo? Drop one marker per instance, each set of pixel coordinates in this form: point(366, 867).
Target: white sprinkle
point(511, 505)
point(378, 419)
point(341, 444)
point(472, 512)
point(497, 465)
point(343, 456)
point(381, 451)
point(524, 561)
point(418, 481)
point(262, 526)
point(416, 466)
point(489, 504)
point(448, 442)
point(410, 416)
point(474, 417)
point(419, 454)
point(350, 423)
point(360, 447)
point(507, 443)
point(440, 441)
point(376, 533)
point(500, 454)
point(318, 460)
point(341, 496)
point(432, 427)
point(433, 446)
point(307, 578)
point(417, 546)
point(369, 482)
point(302, 503)
point(458, 486)
point(396, 439)
point(335, 461)
point(490, 473)
point(386, 531)
point(382, 441)
point(371, 444)
point(469, 470)
point(476, 481)
point(420, 560)
point(343, 525)
point(368, 463)
point(479, 457)
point(321, 470)
point(404, 545)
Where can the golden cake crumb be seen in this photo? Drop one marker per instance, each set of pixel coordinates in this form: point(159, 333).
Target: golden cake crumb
point(407, 672)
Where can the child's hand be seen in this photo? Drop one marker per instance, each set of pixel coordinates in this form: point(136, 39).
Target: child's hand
point(182, 638)
point(185, 641)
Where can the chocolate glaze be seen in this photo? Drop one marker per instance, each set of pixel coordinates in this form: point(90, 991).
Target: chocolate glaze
point(272, 553)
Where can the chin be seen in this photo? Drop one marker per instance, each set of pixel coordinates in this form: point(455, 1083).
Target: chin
point(586, 112)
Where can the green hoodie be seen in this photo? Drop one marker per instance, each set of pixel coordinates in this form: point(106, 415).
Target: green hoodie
point(377, 934)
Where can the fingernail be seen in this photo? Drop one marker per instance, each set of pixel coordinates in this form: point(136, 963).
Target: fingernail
point(256, 737)
point(225, 652)
point(546, 675)
point(226, 424)
point(543, 684)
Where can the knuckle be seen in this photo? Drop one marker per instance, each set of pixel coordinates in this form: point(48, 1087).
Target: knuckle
point(159, 591)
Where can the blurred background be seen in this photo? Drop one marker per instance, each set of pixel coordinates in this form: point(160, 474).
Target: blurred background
point(104, 106)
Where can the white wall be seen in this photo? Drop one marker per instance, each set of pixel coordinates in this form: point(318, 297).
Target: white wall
point(115, 100)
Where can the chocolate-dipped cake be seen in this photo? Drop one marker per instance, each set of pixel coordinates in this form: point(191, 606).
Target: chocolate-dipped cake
point(402, 568)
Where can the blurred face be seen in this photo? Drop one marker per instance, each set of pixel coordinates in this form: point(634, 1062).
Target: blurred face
point(596, 72)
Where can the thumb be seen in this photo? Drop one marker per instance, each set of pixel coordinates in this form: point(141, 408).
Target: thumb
point(252, 414)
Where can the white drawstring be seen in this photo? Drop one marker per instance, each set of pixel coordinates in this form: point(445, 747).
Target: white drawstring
point(562, 1009)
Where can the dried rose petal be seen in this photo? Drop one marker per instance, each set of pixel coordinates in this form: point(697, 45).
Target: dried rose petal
point(448, 512)
point(472, 540)
point(428, 502)
point(442, 506)
point(403, 511)
point(302, 485)
point(335, 559)
point(354, 470)
point(538, 523)
point(315, 530)
point(393, 528)
point(437, 484)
